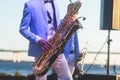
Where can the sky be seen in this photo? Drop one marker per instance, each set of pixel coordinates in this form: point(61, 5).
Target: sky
point(11, 14)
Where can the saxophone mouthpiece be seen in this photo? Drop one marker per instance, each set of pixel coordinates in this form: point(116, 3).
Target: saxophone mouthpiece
point(83, 18)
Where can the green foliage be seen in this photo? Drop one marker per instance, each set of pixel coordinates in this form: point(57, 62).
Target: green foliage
point(17, 73)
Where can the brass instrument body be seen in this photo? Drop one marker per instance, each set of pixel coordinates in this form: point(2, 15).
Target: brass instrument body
point(59, 40)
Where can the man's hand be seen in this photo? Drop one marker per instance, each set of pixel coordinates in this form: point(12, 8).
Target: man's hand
point(45, 45)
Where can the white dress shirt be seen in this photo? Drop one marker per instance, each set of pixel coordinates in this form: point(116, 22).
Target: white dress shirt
point(51, 28)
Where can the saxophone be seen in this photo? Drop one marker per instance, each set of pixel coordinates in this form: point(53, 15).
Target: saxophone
point(59, 40)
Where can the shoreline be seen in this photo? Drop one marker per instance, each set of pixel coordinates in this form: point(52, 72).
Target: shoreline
point(100, 58)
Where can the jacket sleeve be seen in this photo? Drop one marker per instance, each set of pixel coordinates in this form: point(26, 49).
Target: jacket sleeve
point(76, 42)
point(25, 25)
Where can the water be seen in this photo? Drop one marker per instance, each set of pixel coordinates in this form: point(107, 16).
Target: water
point(10, 67)
point(25, 68)
point(101, 69)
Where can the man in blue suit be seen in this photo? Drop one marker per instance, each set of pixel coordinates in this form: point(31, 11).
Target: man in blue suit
point(72, 52)
point(38, 25)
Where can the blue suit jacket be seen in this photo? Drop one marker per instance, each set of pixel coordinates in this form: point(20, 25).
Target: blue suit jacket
point(68, 47)
point(34, 24)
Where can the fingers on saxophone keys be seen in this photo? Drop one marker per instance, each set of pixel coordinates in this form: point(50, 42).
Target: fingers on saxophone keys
point(47, 46)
